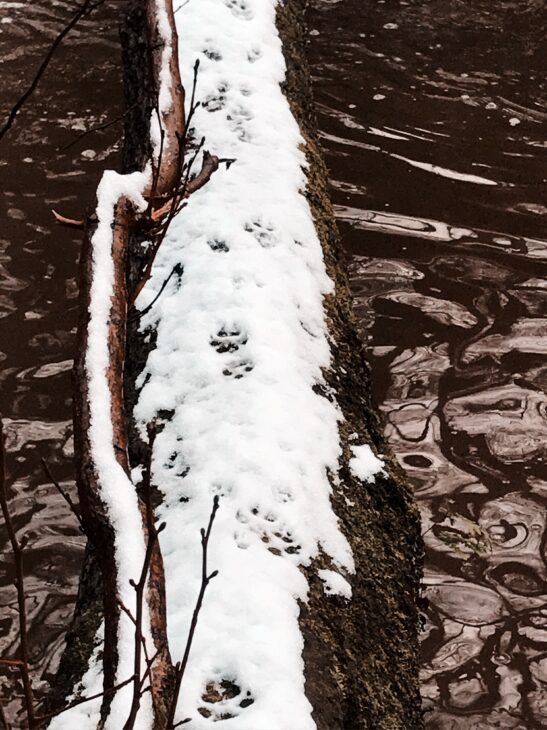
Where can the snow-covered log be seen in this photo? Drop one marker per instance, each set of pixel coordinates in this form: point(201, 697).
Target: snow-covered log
point(248, 364)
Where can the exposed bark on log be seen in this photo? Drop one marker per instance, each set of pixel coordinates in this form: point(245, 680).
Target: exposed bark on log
point(361, 656)
point(172, 121)
point(94, 514)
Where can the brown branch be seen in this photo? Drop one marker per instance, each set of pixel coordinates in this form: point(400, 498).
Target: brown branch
point(209, 165)
point(87, 7)
point(139, 638)
point(17, 549)
point(71, 222)
point(205, 580)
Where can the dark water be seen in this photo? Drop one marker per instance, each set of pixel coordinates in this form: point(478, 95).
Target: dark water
point(433, 117)
point(38, 290)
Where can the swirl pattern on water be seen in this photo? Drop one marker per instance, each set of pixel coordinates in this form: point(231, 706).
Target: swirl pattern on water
point(38, 292)
point(434, 121)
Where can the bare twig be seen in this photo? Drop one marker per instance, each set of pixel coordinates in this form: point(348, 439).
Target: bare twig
point(177, 269)
point(87, 7)
point(17, 548)
point(80, 701)
point(97, 128)
point(205, 580)
point(64, 221)
point(137, 620)
point(65, 495)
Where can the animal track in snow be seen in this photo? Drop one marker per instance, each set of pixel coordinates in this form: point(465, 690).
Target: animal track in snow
point(228, 340)
point(263, 231)
point(254, 54)
point(238, 369)
point(239, 119)
point(217, 100)
point(217, 245)
point(224, 700)
point(239, 8)
point(274, 534)
point(212, 54)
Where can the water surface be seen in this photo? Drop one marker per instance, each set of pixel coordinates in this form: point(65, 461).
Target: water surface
point(38, 296)
point(433, 118)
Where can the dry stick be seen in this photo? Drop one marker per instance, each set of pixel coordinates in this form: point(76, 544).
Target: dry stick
point(65, 495)
point(182, 146)
point(17, 548)
point(134, 622)
point(71, 222)
point(97, 128)
point(85, 9)
point(43, 718)
point(139, 638)
point(177, 269)
point(155, 248)
point(205, 580)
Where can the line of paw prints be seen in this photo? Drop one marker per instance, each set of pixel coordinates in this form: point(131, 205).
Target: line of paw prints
point(273, 533)
point(229, 340)
point(240, 8)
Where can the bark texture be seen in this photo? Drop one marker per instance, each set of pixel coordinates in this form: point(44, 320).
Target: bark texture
point(361, 656)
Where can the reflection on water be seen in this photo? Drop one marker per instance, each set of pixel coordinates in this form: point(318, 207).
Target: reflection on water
point(38, 291)
point(434, 121)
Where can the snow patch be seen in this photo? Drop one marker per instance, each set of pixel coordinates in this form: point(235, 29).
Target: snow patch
point(365, 465)
point(241, 345)
point(335, 584)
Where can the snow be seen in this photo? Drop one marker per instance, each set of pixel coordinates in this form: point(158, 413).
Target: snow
point(117, 490)
point(365, 465)
point(84, 716)
point(335, 584)
point(241, 341)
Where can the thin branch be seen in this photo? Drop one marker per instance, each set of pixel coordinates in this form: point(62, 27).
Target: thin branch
point(17, 548)
point(42, 718)
point(87, 7)
point(97, 128)
point(177, 269)
point(65, 495)
point(205, 580)
point(64, 221)
point(139, 587)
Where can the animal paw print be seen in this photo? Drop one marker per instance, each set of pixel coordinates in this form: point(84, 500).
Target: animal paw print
point(224, 700)
point(228, 340)
point(212, 54)
point(217, 245)
point(240, 8)
point(239, 119)
point(272, 533)
point(254, 54)
point(216, 101)
point(264, 232)
point(238, 369)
